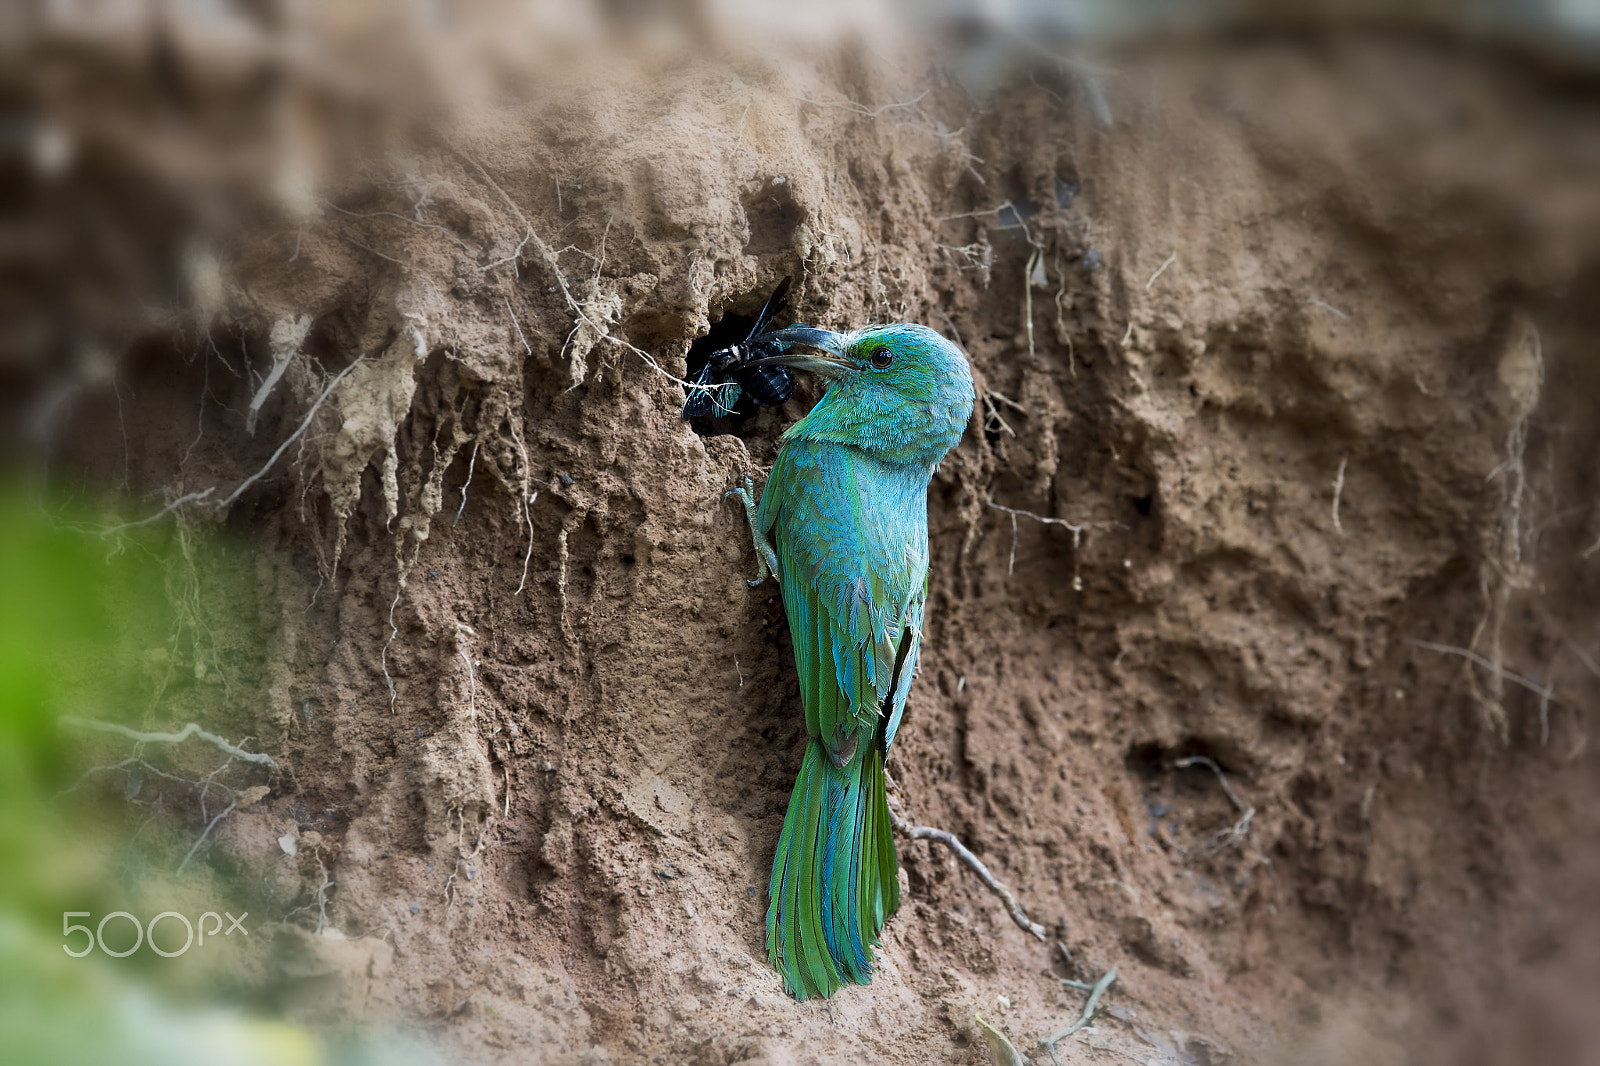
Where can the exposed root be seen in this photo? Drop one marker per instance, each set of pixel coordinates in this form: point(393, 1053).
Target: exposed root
point(1035, 262)
point(462, 855)
point(1495, 669)
point(472, 674)
point(288, 334)
point(1503, 568)
point(949, 840)
point(322, 893)
point(948, 321)
point(1583, 656)
point(1011, 562)
point(1544, 713)
point(122, 423)
point(182, 588)
point(862, 109)
point(205, 834)
point(200, 417)
point(1098, 106)
point(525, 497)
point(980, 213)
point(1236, 832)
point(1328, 307)
point(446, 230)
point(200, 787)
point(1062, 333)
point(1491, 709)
point(1008, 401)
point(601, 330)
point(1132, 893)
point(190, 730)
point(561, 575)
point(1338, 490)
point(525, 345)
point(1077, 536)
point(321, 899)
point(1057, 97)
point(472, 463)
point(383, 655)
point(993, 412)
point(977, 256)
point(527, 517)
point(304, 425)
point(192, 497)
point(1160, 270)
point(369, 249)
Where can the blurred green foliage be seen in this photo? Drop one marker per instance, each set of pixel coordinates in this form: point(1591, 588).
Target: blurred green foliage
point(126, 625)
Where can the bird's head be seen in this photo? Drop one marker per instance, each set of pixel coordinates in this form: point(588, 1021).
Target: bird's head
point(901, 391)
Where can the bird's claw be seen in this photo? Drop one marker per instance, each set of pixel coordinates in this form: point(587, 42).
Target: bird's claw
point(766, 558)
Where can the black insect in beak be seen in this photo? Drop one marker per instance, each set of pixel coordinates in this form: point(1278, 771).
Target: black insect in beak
point(825, 356)
point(729, 385)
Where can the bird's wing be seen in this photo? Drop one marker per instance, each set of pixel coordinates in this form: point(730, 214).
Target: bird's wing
point(854, 604)
point(906, 654)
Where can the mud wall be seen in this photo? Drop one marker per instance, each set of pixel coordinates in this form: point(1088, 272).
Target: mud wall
point(1281, 482)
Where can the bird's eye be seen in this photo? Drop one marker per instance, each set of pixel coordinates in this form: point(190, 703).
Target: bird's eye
point(881, 358)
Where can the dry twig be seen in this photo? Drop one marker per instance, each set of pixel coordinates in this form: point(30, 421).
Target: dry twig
point(1095, 991)
point(949, 840)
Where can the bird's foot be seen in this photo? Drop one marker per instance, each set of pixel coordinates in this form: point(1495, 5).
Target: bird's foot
point(766, 558)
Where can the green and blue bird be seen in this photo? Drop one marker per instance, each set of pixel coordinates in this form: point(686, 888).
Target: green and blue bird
point(843, 525)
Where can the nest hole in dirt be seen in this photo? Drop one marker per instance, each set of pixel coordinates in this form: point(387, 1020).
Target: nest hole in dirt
point(732, 328)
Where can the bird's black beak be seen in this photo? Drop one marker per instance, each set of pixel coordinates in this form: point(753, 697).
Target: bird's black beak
point(825, 356)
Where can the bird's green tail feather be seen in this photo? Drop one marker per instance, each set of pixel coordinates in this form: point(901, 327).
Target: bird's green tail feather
point(834, 878)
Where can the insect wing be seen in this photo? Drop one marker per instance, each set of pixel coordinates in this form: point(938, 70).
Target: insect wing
point(772, 308)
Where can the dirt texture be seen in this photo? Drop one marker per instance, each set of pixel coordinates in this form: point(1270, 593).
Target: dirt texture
point(1287, 405)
